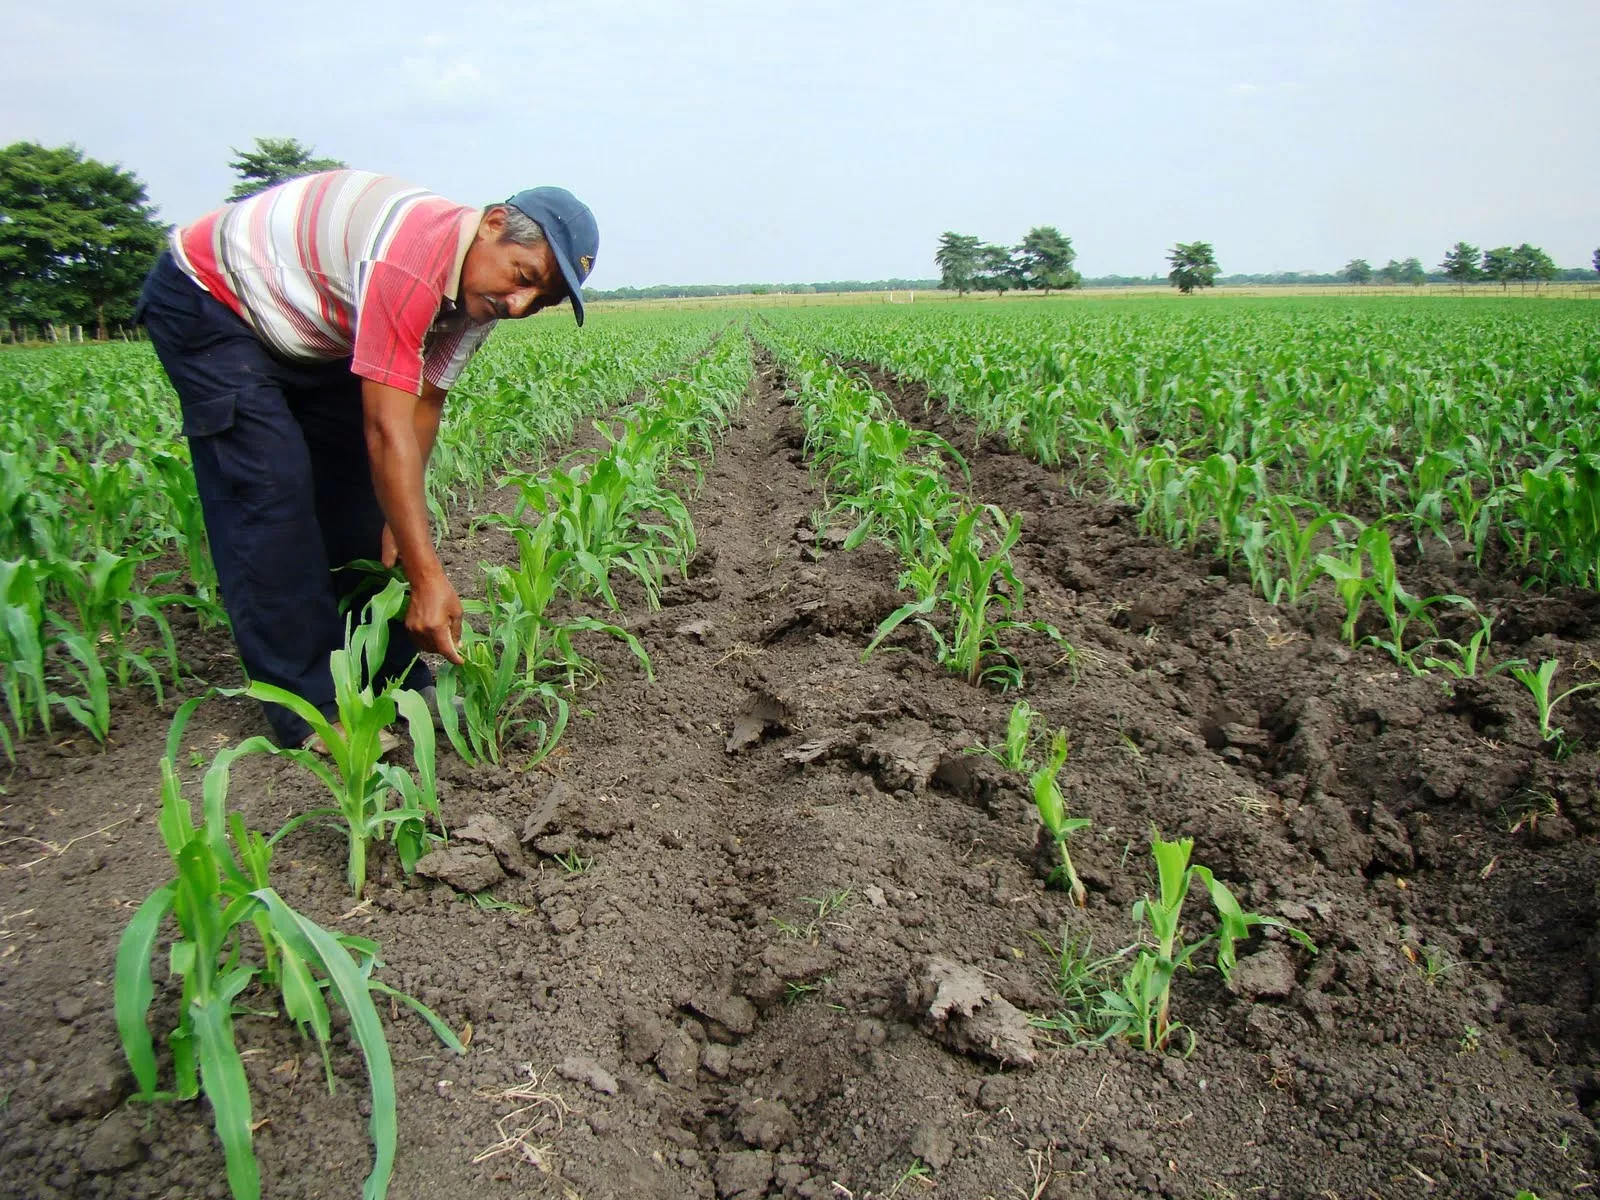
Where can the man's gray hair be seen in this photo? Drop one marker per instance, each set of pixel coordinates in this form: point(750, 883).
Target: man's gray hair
point(520, 227)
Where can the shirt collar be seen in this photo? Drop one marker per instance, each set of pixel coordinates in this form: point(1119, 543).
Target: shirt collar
point(470, 219)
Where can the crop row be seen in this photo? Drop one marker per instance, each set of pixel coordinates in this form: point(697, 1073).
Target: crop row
point(1295, 439)
point(890, 481)
point(1474, 424)
point(595, 514)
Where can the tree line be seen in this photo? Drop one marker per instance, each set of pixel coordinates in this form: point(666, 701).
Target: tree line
point(967, 264)
point(1464, 263)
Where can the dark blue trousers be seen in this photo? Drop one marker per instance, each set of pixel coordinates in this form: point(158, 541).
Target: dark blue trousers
point(280, 461)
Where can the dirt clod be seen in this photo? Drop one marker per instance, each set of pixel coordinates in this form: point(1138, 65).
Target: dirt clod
point(465, 867)
point(678, 1058)
point(759, 714)
point(114, 1145)
point(582, 1069)
point(93, 1088)
point(1268, 974)
point(932, 1144)
point(766, 1124)
point(743, 1174)
point(959, 1007)
point(485, 829)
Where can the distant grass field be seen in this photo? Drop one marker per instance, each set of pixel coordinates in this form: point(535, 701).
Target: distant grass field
point(1549, 291)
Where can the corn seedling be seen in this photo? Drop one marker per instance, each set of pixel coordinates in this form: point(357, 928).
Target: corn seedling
point(983, 594)
point(219, 892)
point(1537, 680)
point(1140, 1007)
point(1468, 656)
point(496, 694)
point(1052, 807)
point(362, 786)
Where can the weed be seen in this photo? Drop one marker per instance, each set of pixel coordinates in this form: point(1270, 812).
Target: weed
point(572, 863)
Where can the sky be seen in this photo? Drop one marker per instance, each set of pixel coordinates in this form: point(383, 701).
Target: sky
point(741, 141)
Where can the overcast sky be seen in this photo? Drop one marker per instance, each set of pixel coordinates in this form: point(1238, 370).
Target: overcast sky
point(735, 140)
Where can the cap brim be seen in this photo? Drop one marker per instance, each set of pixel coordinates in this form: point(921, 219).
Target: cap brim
point(574, 286)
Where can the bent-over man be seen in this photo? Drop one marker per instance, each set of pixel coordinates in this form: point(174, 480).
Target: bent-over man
point(312, 332)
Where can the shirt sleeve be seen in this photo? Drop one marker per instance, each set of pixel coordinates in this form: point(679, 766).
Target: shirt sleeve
point(392, 320)
point(450, 354)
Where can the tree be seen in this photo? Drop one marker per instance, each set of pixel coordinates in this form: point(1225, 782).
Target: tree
point(1358, 270)
point(1596, 261)
point(1497, 264)
point(274, 161)
point(998, 269)
point(1046, 259)
point(1389, 273)
point(1461, 263)
point(1194, 265)
point(76, 237)
point(957, 259)
point(1531, 264)
point(1411, 272)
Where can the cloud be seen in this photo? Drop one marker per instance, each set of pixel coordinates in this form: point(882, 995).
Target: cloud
point(445, 82)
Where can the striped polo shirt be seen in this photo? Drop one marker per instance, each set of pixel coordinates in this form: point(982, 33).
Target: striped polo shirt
point(345, 264)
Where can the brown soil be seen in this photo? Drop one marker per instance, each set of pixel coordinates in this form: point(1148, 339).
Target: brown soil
point(739, 1045)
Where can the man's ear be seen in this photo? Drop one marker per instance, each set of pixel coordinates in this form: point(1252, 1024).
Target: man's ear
point(493, 225)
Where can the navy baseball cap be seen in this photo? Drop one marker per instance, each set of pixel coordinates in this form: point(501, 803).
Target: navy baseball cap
point(570, 229)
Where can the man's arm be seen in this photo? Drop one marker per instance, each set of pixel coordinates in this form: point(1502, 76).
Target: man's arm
point(430, 409)
point(400, 431)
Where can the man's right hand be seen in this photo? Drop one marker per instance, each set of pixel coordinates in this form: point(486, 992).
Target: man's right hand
point(434, 618)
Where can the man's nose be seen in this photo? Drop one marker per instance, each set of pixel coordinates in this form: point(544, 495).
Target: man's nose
point(520, 304)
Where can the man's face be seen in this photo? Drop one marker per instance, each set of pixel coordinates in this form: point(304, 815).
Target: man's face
point(501, 279)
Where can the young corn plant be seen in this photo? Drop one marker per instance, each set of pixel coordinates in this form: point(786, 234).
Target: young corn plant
point(1139, 1008)
point(1280, 551)
point(496, 695)
point(371, 798)
point(219, 893)
point(527, 597)
point(1537, 680)
point(1468, 655)
point(1399, 607)
point(1052, 807)
point(982, 593)
point(22, 645)
point(107, 606)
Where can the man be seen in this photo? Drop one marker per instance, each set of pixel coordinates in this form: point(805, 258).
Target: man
point(312, 332)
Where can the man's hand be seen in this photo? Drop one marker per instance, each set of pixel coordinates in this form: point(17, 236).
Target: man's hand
point(434, 618)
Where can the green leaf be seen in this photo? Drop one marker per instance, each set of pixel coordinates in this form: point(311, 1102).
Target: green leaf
point(134, 989)
point(320, 946)
point(222, 1074)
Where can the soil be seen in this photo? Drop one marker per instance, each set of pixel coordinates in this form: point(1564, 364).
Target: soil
point(799, 967)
